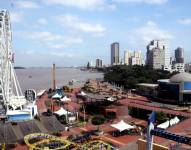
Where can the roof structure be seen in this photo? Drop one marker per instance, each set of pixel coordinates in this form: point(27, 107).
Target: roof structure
point(7, 134)
point(149, 85)
point(65, 99)
point(57, 96)
point(62, 111)
point(181, 77)
point(28, 127)
point(52, 124)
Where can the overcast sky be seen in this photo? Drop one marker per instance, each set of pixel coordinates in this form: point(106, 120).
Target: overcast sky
point(72, 32)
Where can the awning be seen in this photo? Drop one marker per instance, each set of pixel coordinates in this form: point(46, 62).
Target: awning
point(121, 126)
point(62, 111)
point(56, 96)
point(65, 99)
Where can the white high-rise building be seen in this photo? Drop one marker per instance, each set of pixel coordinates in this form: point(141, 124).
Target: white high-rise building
point(158, 56)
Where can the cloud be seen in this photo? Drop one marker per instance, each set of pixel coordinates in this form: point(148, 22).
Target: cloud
point(63, 54)
point(158, 2)
point(42, 21)
point(26, 4)
point(83, 4)
point(51, 40)
point(69, 41)
point(186, 21)
point(16, 17)
point(150, 31)
point(75, 23)
point(29, 58)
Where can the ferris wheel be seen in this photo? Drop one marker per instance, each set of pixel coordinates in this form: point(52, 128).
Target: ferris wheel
point(10, 91)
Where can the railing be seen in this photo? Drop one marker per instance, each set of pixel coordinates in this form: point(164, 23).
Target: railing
point(171, 136)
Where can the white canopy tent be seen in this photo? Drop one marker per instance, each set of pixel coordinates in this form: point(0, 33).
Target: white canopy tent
point(65, 99)
point(168, 123)
point(164, 125)
point(175, 120)
point(62, 111)
point(56, 96)
point(111, 99)
point(121, 126)
point(41, 93)
point(83, 93)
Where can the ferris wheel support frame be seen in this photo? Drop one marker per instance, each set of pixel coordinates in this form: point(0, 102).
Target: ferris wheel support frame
point(10, 87)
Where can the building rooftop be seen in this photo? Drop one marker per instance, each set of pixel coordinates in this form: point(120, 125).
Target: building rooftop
point(181, 77)
point(149, 85)
point(163, 80)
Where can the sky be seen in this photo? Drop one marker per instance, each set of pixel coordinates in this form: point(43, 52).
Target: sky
point(73, 32)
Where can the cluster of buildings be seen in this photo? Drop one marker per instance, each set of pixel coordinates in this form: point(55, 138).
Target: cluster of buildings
point(157, 56)
point(130, 58)
point(97, 64)
point(177, 89)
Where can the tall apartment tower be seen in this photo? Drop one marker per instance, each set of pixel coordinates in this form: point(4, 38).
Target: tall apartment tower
point(158, 56)
point(179, 55)
point(137, 57)
point(115, 53)
point(127, 55)
point(98, 63)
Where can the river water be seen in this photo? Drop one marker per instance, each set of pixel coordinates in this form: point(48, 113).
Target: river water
point(41, 78)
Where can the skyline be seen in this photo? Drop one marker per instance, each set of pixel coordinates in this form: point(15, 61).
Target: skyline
point(77, 32)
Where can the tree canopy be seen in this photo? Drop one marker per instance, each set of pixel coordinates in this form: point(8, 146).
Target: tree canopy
point(129, 76)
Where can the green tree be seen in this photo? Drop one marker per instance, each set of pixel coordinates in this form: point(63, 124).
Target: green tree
point(161, 117)
point(98, 120)
point(129, 76)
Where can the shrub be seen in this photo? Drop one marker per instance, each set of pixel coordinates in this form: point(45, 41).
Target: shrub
point(98, 120)
point(161, 117)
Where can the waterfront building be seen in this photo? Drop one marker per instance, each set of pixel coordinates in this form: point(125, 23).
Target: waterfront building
point(115, 53)
point(175, 90)
point(158, 56)
point(98, 63)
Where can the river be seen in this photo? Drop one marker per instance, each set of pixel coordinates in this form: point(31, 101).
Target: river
point(41, 78)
